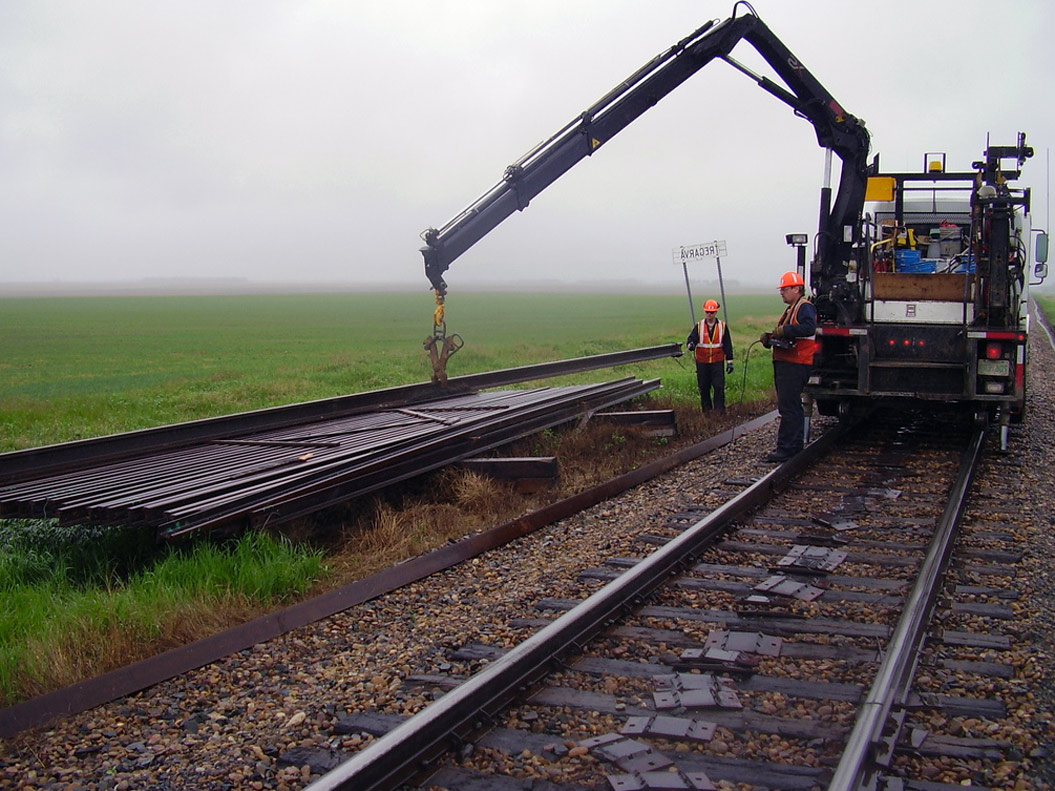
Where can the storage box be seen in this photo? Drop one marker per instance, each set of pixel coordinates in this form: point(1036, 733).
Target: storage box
point(906, 259)
point(950, 247)
point(912, 261)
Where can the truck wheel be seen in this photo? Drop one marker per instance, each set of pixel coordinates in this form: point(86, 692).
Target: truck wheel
point(827, 407)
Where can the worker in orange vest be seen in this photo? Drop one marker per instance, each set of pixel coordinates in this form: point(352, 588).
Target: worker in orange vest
point(713, 348)
point(793, 341)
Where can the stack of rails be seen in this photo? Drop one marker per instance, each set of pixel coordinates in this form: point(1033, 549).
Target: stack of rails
point(276, 475)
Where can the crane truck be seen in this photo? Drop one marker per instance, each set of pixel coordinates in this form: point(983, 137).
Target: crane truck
point(884, 332)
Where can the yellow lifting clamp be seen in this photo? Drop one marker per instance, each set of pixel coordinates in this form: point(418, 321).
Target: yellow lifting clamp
point(440, 345)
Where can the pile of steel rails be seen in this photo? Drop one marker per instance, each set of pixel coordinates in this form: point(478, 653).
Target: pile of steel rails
point(285, 468)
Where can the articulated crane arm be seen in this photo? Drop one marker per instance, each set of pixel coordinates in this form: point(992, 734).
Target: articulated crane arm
point(541, 166)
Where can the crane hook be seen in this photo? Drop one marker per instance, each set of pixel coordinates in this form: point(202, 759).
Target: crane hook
point(440, 346)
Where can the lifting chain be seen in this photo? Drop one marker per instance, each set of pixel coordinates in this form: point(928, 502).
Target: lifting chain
point(440, 346)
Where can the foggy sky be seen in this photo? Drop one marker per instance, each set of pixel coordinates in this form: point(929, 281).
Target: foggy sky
point(307, 142)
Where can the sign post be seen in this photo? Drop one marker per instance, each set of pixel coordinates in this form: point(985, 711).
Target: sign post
point(697, 252)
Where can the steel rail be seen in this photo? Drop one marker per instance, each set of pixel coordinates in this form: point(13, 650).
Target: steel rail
point(217, 461)
point(303, 501)
point(311, 493)
point(522, 404)
point(412, 746)
point(857, 766)
point(188, 488)
point(33, 462)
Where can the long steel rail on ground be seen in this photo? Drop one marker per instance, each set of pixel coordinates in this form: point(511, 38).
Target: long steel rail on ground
point(35, 462)
point(458, 442)
point(275, 476)
point(270, 466)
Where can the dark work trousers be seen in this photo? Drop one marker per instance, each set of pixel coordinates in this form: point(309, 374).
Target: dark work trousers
point(710, 375)
point(790, 380)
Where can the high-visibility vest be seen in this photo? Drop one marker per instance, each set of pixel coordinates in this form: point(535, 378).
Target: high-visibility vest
point(803, 348)
point(709, 349)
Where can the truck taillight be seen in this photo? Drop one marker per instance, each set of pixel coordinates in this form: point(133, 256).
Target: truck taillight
point(993, 351)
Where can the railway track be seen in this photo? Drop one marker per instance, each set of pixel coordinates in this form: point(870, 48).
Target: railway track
point(798, 648)
point(803, 638)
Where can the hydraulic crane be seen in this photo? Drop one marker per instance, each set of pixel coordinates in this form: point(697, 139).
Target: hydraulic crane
point(837, 131)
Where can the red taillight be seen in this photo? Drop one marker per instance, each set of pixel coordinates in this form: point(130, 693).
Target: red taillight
point(993, 351)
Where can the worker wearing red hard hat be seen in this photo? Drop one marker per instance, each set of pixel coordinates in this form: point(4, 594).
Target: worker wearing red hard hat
point(712, 346)
point(793, 343)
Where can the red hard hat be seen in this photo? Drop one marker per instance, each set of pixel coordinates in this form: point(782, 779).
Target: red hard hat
point(710, 306)
point(791, 279)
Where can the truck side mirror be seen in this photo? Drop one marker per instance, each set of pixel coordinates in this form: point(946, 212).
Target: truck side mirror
point(1040, 255)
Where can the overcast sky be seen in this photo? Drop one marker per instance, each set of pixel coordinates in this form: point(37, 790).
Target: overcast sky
point(313, 141)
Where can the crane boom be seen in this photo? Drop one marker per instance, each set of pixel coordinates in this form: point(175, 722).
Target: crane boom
point(836, 130)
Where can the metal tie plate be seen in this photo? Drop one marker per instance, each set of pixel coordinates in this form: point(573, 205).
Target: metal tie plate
point(780, 585)
point(742, 642)
point(617, 750)
point(643, 763)
point(694, 690)
point(835, 522)
point(661, 781)
point(811, 557)
point(665, 726)
point(597, 741)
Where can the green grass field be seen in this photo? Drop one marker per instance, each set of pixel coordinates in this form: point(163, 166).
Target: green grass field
point(80, 367)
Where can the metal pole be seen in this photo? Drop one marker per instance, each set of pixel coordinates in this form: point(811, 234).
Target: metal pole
point(692, 310)
point(721, 287)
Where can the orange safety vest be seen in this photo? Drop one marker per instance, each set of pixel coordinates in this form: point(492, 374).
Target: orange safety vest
point(803, 348)
point(709, 349)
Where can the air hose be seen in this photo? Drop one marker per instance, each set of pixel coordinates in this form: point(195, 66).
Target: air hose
point(747, 357)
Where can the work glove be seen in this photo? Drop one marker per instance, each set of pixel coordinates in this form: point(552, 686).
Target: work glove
point(691, 345)
point(729, 367)
point(778, 331)
point(764, 338)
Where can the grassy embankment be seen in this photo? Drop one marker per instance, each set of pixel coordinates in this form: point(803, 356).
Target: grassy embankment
point(78, 601)
point(1046, 302)
point(74, 602)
